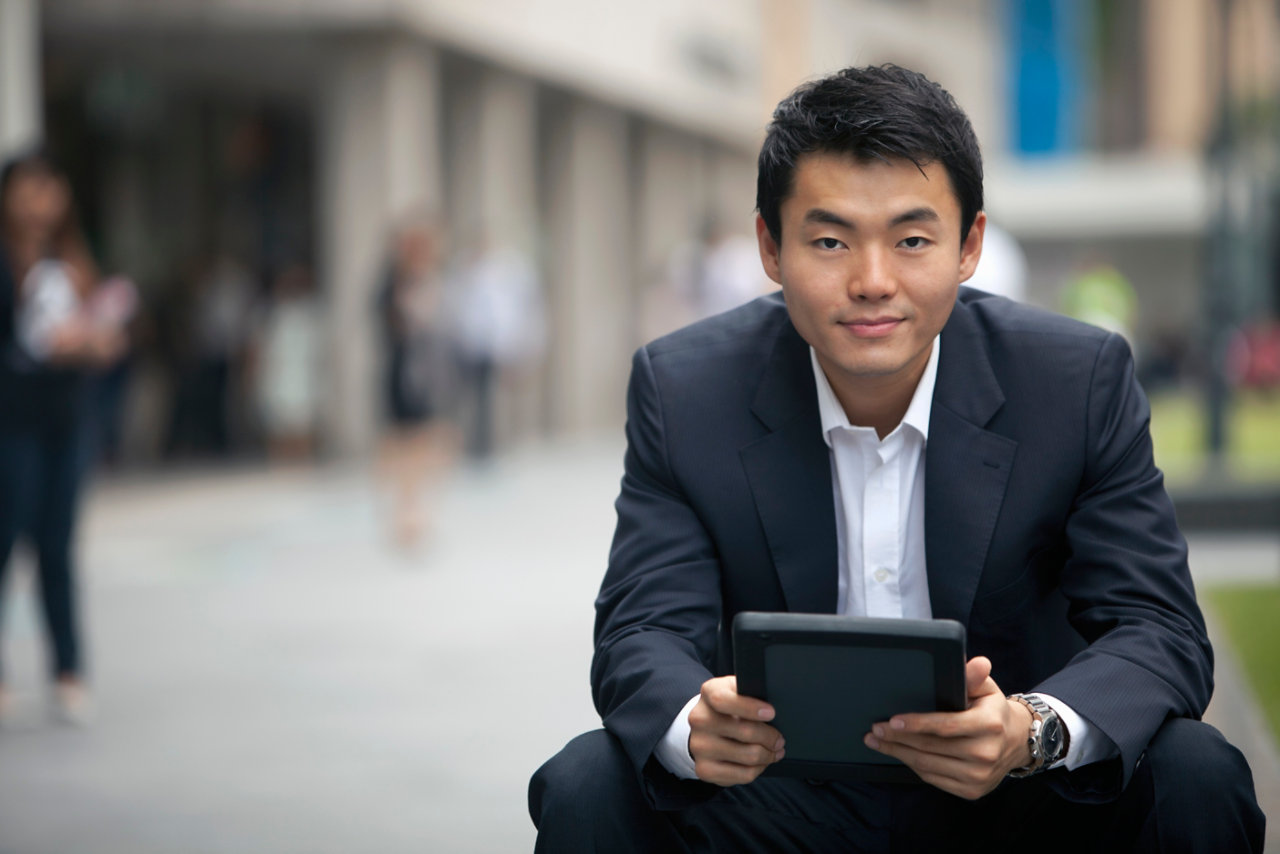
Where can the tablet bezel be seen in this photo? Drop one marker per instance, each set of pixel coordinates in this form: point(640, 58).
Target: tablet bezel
point(754, 632)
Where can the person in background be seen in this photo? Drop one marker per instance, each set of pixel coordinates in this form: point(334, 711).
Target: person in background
point(115, 304)
point(420, 440)
point(288, 369)
point(499, 334)
point(720, 271)
point(1099, 294)
point(52, 331)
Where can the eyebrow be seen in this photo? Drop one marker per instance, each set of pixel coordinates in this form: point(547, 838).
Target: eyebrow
point(824, 216)
point(921, 214)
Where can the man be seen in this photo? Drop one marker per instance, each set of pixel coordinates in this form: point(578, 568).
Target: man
point(879, 441)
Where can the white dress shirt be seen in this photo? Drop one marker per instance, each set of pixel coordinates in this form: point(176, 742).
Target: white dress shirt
point(878, 488)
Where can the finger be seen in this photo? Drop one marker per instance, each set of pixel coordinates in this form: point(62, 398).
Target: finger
point(706, 723)
point(920, 761)
point(748, 732)
point(705, 720)
point(708, 746)
point(946, 725)
point(987, 752)
point(983, 717)
point(722, 695)
point(944, 772)
point(976, 672)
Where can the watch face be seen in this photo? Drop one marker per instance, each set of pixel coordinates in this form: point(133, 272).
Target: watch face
point(1051, 736)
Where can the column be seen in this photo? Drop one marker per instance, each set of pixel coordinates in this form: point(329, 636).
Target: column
point(590, 249)
point(673, 208)
point(493, 159)
point(20, 114)
point(379, 159)
point(733, 188)
point(494, 208)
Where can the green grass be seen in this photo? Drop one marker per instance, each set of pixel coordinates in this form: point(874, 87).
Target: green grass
point(1179, 425)
point(1251, 617)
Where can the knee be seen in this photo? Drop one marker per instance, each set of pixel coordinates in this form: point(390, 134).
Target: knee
point(1197, 756)
point(591, 771)
point(1201, 780)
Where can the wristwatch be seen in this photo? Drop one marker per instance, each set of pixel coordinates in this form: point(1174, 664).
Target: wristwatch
point(1048, 738)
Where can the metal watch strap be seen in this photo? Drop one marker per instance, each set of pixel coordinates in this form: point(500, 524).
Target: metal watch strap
point(1039, 711)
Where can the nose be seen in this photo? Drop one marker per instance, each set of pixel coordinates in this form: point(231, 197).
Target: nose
point(872, 279)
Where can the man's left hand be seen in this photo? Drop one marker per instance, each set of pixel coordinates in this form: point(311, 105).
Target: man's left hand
point(965, 753)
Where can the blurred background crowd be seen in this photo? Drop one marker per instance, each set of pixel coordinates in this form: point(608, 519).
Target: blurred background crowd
point(248, 165)
point(427, 233)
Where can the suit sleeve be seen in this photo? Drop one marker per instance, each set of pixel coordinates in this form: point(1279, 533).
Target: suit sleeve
point(659, 606)
point(1128, 586)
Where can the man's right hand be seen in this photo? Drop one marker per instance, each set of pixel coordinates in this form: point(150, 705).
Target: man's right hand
point(729, 739)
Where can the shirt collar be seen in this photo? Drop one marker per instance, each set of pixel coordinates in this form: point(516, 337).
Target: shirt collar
point(832, 413)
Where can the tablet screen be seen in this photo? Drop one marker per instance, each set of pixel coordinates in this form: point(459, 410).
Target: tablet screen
point(875, 685)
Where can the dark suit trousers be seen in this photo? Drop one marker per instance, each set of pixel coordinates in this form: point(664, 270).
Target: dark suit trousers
point(1192, 792)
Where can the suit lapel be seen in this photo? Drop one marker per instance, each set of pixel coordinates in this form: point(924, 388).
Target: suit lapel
point(966, 472)
point(790, 475)
point(966, 468)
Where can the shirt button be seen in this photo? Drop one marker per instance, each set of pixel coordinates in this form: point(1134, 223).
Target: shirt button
point(881, 575)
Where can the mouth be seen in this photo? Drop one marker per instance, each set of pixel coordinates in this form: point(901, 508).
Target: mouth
point(872, 327)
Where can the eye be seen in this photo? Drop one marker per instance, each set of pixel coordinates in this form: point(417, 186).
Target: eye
point(829, 243)
point(915, 242)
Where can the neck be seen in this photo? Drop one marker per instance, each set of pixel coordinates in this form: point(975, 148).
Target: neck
point(884, 415)
point(877, 402)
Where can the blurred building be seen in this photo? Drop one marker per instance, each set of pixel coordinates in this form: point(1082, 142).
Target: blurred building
point(1096, 119)
point(596, 137)
point(591, 138)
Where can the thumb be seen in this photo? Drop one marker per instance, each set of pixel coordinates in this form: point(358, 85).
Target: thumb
point(975, 676)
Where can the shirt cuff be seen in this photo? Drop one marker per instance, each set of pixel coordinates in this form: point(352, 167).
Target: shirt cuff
point(673, 750)
point(1087, 744)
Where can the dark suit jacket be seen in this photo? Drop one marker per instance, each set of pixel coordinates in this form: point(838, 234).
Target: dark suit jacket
point(1048, 532)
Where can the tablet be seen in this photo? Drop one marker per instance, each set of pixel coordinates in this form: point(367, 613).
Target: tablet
point(829, 678)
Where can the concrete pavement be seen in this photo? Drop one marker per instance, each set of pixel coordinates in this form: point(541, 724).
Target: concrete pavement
point(271, 677)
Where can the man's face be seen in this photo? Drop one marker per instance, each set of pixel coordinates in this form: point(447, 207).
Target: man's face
point(869, 262)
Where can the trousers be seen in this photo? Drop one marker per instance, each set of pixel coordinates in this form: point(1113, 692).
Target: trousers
point(40, 475)
point(1191, 792)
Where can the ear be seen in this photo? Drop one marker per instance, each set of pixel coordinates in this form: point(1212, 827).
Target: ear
point(971, 249)
point(768, 251)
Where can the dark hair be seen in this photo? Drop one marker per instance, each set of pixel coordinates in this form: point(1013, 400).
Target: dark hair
point(68, 238)
point(880, 112)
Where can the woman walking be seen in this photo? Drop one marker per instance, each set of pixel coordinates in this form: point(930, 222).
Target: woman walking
point(49, 338)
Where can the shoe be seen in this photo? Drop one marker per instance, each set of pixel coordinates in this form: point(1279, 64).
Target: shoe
point(71, 703)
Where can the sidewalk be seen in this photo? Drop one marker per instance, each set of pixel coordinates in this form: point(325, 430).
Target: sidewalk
point(271, 677)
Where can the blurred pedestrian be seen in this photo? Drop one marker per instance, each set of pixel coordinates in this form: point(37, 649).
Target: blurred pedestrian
point(225, 297)
point(500, 330)
point(114, 304)
point(212, 327)
point(1100, 294)
point(288, 369)
point(721, 271)
point(52, 330)
point(419, 441)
